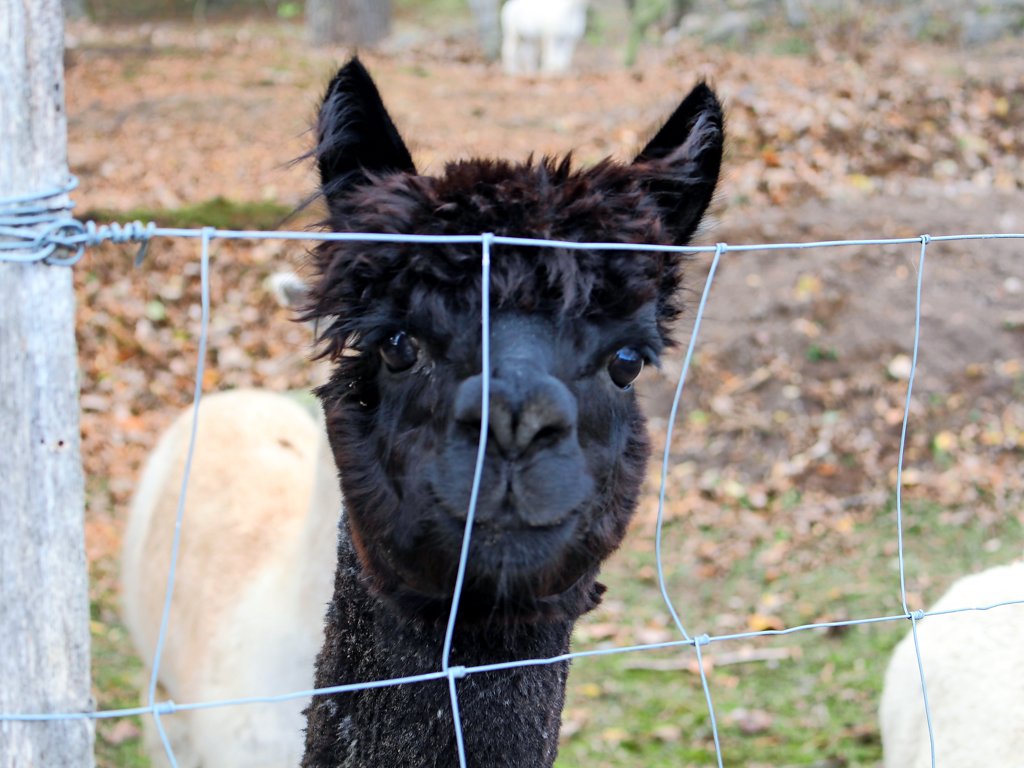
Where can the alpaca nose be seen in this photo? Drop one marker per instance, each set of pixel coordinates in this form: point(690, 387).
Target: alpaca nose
point(529, 411)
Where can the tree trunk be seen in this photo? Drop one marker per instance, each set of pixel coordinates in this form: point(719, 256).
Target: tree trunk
point(351, 22)
point(487, 15)
point(677, 9)
point(74, 9)
point(44, 603)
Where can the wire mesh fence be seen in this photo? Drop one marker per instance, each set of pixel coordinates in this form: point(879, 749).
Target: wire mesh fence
point(33, 228)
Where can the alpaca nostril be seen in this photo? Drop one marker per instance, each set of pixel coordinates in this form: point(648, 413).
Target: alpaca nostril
point(469, 412)
point(550, 435)
point(543, 423)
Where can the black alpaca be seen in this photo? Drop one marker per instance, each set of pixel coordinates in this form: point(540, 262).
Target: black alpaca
point(566, 448)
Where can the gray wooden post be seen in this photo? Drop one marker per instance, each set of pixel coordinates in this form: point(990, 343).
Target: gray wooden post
point(487, 14)
point(44, 603)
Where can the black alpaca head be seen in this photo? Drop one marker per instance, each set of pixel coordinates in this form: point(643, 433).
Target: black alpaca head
point(570, 331)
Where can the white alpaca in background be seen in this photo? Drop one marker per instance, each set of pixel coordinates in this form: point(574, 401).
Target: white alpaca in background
point(255, 571)
point(974, 670)
point(254, 575)
point(541, 35)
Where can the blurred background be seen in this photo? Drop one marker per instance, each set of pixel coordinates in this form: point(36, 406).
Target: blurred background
point(875, 119)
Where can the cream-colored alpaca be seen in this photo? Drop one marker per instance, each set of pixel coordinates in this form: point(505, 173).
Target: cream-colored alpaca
point(974, 669)
point(254, 575)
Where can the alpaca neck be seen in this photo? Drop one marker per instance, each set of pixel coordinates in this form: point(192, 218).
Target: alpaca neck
point(509, 718)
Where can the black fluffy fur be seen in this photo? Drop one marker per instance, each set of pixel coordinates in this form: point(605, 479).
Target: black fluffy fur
point(567, 448)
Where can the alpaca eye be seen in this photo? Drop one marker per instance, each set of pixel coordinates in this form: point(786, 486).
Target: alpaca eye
point(625, 366)
point(399, 352)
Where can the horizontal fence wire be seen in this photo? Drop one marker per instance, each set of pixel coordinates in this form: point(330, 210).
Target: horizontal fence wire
point(33, 230)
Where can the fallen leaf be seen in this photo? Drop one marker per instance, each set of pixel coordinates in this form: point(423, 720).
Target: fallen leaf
point(759, 622)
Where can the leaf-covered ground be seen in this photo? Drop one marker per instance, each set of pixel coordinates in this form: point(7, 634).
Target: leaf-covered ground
point(780, 500)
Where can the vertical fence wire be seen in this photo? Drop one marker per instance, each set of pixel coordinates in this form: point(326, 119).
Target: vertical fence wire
point(698, 642)
point(667, 456)
point(204, 325)
point(914, 618)
point(485, 387)
point(666, 459)
point(925, 239)
point(76, 236)
point(906, 419)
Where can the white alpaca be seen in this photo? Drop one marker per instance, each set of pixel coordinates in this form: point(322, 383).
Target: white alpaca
point(541, 34)
point(254, 574)
point(974, 670)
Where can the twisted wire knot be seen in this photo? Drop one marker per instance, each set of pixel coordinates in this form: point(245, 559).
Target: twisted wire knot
point(34, 227)
point(167, 707)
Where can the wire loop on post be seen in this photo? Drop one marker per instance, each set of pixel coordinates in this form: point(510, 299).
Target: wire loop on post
point(31, 226)
point(35, 227)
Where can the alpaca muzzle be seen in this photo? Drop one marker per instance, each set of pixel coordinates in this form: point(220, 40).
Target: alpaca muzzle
point(534, 473)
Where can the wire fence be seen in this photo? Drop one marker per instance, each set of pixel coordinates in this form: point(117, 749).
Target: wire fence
point(36, 228)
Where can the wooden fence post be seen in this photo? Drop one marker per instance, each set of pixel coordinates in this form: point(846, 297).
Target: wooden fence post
point(44, 603)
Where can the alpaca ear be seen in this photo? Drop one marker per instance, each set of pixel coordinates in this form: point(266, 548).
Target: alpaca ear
point(680, 165)
point(290, 290)
point(355, 134)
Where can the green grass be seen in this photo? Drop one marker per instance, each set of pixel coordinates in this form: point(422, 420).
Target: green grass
point(792, 45)
point(216, 212)
point(430, 7)
point(817, 354)
point(148, 10)
point(431, 14)
point(117, 677)
point(814, 706)
point(808, 698)
point(425, 11)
